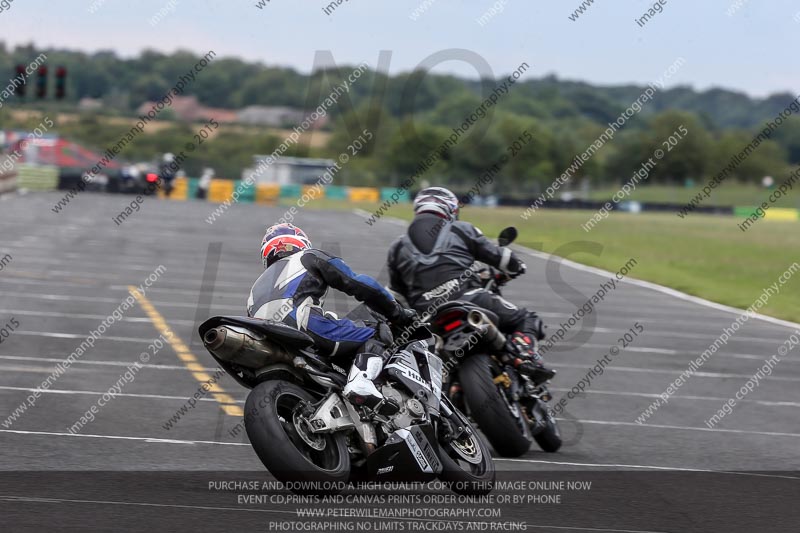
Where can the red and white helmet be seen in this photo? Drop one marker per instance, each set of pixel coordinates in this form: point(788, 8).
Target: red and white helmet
point(437, 200)
point(282, 240)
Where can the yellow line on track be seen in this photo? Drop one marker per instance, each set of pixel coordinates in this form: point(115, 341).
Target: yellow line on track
point(190, 361)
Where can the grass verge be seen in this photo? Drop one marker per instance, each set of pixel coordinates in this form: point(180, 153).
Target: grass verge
point(706, 256)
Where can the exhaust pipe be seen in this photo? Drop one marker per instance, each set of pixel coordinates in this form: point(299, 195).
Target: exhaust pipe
point(242, 347)
point(491, 334)
point(214, 338)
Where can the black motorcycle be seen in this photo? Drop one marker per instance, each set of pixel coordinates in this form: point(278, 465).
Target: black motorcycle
point(310, 437)
point(508, 407)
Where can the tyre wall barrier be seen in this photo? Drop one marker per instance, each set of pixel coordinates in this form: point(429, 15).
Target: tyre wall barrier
point(221, 190)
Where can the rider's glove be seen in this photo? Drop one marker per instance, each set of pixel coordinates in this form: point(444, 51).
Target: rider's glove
point(501, 278)
point(521, 269)
point(539, 328)
point(403, 317)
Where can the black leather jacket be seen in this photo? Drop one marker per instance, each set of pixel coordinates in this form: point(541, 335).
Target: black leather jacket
point(432, 261)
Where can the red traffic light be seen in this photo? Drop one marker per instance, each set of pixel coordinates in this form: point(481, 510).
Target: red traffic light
point(20, 81)
point(61, 82)
point(41, 82)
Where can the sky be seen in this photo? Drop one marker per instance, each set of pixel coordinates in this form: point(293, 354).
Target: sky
point(752, 49)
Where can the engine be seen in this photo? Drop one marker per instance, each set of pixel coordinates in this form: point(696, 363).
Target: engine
point(412, 411)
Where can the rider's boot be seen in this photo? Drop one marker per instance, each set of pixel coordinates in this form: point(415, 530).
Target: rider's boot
point(528, 362)
point(361, 390)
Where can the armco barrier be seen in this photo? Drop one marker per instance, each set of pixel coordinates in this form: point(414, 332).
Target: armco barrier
point(312, 192)
point(191, 190)
point(290, 191)
point(180, 189)
point(336, 192)
point(8, 182)
point(389, 193)
point(37, 177)
point(247, 192)
point(268, 193)
point(363, 194)
point(220, 190)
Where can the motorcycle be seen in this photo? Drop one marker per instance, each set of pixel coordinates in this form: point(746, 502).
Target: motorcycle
point(508, 407)
point(310, 437)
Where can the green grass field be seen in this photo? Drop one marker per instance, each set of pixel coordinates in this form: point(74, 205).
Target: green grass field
point(707, 256)
point(727, 194)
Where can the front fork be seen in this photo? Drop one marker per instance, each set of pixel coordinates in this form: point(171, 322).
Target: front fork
point(538, 397)
point(459, 427)
point(513, 386)
point(522, 395)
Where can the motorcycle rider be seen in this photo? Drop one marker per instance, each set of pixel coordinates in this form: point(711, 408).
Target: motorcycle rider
point(292, 290)
point(167, 172)
point(431, 264)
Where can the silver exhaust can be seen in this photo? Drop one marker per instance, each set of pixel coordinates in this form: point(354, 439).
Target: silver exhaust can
point(243, 347)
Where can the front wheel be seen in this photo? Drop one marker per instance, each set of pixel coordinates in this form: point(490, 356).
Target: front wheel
point(466, 463)
point(549, 439)
point(307, 462)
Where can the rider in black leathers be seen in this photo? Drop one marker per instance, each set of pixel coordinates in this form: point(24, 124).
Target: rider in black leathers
point(431, 265)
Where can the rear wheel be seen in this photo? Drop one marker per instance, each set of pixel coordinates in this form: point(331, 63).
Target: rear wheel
point(509, 435)
point(285, 444)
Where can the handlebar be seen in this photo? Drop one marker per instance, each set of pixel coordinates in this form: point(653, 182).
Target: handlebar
point(496, 279)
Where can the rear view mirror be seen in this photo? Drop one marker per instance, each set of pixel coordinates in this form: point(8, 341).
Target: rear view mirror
point(507, 236)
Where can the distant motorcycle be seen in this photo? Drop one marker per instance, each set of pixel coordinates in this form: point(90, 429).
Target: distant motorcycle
point(508, 408)
point(303, 430)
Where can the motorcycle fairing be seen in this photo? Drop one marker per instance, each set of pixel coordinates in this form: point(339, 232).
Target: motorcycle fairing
point(424, 383)
point(406, 453)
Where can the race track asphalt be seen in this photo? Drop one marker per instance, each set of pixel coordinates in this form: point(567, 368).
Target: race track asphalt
point(69, 271)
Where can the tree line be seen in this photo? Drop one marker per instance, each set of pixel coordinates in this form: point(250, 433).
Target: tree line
point(415, 113)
